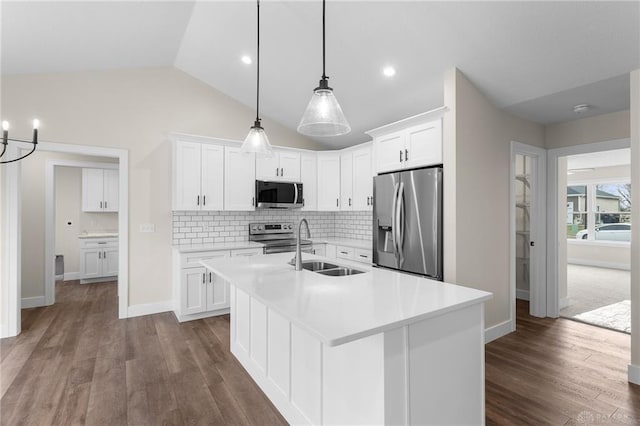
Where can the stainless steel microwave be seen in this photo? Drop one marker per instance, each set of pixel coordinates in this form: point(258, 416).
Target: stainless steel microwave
point(278, 195)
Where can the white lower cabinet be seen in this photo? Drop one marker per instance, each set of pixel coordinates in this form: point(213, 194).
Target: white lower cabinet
point(98, 259)
point(199, 293)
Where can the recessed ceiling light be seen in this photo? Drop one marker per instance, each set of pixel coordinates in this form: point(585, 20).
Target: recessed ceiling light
point(246, 59)
point(581, 108)
point(389, 71)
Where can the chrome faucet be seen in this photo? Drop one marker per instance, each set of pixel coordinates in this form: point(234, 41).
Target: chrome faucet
point(297, 261)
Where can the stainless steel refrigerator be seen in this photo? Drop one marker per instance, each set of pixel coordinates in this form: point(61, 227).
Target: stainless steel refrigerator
point(407, 221)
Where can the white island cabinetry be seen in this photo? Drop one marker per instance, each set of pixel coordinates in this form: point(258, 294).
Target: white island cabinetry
point(374, 348)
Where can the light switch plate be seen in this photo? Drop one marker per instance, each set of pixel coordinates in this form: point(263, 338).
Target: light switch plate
point(147, 227)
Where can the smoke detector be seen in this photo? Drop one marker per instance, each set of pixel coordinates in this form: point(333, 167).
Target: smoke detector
point(578, 109)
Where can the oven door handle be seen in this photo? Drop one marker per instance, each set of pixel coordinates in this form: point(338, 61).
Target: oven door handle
point(295, 196)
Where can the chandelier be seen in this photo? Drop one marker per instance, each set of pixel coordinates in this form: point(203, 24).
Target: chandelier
point(6, 139)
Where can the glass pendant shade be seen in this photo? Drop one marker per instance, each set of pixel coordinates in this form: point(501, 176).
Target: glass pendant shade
point(323, 116)
point(257, 142)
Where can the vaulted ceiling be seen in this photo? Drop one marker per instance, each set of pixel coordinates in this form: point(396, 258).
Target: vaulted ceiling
point(535, 59)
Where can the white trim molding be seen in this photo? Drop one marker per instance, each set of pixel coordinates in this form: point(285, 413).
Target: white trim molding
point(599, 264)
point(33, 302)
point(522, 294)
point(553, 293)
point(149, 308)
point(497, 331)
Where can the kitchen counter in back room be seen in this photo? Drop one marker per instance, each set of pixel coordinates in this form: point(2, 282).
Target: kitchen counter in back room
point(376, 347)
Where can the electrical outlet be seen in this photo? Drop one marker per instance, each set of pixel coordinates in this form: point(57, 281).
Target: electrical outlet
point(147, 227)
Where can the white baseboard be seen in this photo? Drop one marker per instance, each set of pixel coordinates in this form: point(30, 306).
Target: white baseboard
point(498, 330)
point(98, 280)
point(149, 308)
point(4, 331)
point(522, 294)
point(599, 264)
point(69, 276)
point(33, 302)
point(183, 318)
point(633, 374)
point(563, 302)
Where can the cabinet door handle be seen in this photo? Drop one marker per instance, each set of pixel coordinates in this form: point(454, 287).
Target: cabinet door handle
point(204, 200)
point(277, 171)
point(100, 204)
point(198, 200)
point(406, 155)
point(210, 279)
point(368, 201)
point(401, 156)
point(204, 276)
point(104, 254)
point(337, 202)
point(105, 204)
point(349, 202)
point(99, 255)
point(253, 201)
point(281, 171)
point(344, 252)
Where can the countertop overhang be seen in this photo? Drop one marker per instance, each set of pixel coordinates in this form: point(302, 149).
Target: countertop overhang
point(338, 310)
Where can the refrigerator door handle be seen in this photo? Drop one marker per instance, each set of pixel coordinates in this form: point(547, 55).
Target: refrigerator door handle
point(399, 223)
point(394, 230)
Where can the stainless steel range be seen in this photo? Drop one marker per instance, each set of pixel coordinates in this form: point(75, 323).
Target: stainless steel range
point(277, 237)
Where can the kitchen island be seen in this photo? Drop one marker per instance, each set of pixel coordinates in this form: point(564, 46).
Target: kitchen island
point(380, 347)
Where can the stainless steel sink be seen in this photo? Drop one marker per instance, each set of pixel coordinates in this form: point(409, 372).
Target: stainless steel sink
point(317, 265)
point(340, 272)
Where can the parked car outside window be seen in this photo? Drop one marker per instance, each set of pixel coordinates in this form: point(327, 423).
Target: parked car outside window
point(609, 232)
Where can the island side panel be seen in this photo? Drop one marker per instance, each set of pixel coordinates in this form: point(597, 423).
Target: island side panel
point(353, 382)
point(445, 369)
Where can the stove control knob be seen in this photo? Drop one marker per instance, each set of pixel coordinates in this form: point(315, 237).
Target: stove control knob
point(260, 227)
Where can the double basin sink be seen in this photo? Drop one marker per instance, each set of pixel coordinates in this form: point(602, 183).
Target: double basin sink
point(330, 269)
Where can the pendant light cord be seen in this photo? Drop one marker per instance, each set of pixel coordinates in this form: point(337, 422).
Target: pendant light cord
point(324, 76)
point(258, 69)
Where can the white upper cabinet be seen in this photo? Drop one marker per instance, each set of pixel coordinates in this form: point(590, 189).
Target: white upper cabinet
point(356, 179)
point(239, 179)
point(309, 178)
point(199, 174)
point(328, 182)
point(409, 143)
point(100, 190)
point(362, 179)
point(283, 165)
point(346, 181)
point(424, 145)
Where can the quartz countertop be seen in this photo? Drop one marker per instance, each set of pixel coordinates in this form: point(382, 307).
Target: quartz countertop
point(187, 248)
point(98, 235)
point(338, 310)
point(361, 244)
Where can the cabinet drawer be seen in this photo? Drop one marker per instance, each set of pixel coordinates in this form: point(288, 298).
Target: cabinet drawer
point(345, 252)
point(362, 255)
point(247, 252)
point(92, 243)
point(192, 260)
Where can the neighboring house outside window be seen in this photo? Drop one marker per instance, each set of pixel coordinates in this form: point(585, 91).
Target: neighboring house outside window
point(599, 211)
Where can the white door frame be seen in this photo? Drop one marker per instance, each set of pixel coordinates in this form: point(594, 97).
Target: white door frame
point(538, 224)
point(11, 262)
point(553, 292)
point(50, 219)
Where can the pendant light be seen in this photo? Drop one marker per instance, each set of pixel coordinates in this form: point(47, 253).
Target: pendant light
point(257, 140)
point(323, 116)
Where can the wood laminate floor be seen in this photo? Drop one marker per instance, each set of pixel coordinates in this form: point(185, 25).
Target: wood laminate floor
point(76, 363)
point(559, 372)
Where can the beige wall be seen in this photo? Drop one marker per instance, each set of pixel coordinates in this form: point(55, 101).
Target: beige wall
point(482, 140)
point(600, 128)
point(69, 209)
point(134, 109)
point(32, 183)
point(617, 256)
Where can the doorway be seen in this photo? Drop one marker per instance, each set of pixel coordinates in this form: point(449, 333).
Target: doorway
point(12, 239)
point(594, 259)
point(528, 228)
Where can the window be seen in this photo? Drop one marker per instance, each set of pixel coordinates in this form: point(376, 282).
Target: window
point(599, 211)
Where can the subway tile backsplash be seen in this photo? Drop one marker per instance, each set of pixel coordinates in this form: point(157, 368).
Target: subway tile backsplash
point(230, 226)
